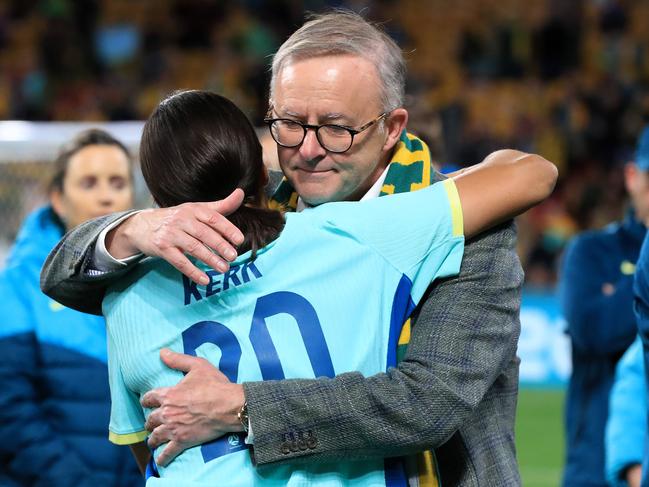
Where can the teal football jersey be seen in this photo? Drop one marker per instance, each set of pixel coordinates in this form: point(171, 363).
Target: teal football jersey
point(329, 295)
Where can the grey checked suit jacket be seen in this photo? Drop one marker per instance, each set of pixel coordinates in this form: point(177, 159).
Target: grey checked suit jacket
point(454, 392)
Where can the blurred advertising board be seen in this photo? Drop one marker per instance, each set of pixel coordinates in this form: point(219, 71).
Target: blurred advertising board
point(544, 348)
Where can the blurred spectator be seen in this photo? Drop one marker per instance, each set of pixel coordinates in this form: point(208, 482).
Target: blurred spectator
point(568, 80)
point(596, 294)
point(54, 395)
point(627, 421)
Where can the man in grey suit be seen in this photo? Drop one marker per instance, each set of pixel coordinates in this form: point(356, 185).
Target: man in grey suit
point(455, 390)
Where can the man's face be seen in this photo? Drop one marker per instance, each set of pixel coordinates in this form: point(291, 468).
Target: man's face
point(342, 90)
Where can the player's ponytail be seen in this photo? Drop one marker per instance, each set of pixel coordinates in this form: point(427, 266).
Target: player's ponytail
point(198, 146)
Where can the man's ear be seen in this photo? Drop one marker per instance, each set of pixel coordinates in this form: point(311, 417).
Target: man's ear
point(394, 125)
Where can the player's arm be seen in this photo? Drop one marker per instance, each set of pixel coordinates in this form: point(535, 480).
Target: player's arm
point(142, 455)
point(505, 184)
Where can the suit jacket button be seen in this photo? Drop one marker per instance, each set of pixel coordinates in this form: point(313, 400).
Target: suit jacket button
point(301, 442)
point(285, 448)
point(293, 445)
point(311, 440)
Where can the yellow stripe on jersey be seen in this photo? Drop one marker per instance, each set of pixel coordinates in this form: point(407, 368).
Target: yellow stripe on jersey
point(127, 439)
point(456, 207)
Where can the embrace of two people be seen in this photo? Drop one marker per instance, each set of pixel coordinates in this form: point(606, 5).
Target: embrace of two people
point(341, 343)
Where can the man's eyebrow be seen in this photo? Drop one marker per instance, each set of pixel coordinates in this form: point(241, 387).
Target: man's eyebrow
point(326, 118)
point(335, 117)
point(288, 113)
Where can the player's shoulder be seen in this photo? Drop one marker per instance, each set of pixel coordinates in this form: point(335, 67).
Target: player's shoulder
point(151, 272)
point(150, 269)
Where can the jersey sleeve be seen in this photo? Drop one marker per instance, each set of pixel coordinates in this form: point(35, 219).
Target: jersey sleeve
point(419, 233)
point(126, 416)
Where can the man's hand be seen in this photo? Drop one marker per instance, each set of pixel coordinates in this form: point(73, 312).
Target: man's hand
point(190, 228)
point(634, 475)
point(202, 407)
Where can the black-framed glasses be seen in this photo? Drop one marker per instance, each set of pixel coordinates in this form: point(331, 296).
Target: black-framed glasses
point(334, 138)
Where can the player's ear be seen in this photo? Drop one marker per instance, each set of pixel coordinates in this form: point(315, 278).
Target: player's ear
point(261, 191)
point(264, 176)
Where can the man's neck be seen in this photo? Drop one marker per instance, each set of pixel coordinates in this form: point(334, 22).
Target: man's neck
point(373, 192)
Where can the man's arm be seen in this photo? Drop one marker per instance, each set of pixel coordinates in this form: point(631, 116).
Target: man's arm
point(70, 277)
point(465, 335)
point(66, 275)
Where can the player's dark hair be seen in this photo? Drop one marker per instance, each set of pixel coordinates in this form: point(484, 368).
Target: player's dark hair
point(81, 141)
point(198, 146)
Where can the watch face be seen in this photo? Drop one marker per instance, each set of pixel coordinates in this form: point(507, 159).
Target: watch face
point(242, 415)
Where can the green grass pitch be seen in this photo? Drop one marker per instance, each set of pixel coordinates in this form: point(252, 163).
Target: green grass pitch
point(539, 436)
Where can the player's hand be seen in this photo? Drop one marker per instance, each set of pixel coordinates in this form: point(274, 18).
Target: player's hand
point(202, 407)
point(190, 228)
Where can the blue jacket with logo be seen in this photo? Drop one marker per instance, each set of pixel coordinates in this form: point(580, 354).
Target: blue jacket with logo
point(54, 393)
point(596, 296)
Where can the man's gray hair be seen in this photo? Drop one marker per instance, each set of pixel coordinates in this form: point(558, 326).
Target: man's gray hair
point(345, 32)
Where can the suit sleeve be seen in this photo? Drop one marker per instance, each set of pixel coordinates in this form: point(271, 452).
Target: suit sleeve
point(34, 453)
point(627, 422)
point(67, 273)
point(598, 323)
point(465, 334)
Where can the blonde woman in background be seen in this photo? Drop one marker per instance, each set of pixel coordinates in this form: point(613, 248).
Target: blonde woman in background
point(54, 395)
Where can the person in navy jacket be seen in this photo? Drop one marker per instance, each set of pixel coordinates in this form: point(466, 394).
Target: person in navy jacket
point(596, 296)
point(54, 393)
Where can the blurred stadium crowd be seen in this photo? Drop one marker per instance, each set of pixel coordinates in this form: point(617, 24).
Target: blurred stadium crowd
point(568, 80)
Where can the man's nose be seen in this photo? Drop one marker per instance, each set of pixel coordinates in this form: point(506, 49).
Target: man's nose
point(311, 150)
